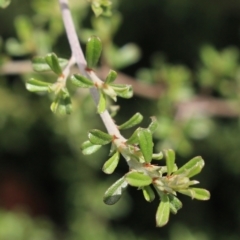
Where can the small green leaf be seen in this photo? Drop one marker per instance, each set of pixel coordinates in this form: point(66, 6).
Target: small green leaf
point(81, 81)
point(175, 204)
point(123, 90)
point(191, 168)
point(52, 60)
point(170, 160)
point(134, 138)
point(102, 102)
point(34, 85)
point(163, 211)
point(112, 75)
point(148, 193)
point(93, 51)
point(153, 125)
point(134, 120)
point(137, 179)
point(108, 90)
point(4, 3)
point(157, 156)
point(40, 65)
point(110, 165)
point(89, 148)
point(98, 137)
point(197, 193)
point(62, 103)
point(146, 143)
point(114, 193)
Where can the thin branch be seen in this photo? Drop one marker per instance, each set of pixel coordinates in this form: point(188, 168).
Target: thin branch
point(81, 62)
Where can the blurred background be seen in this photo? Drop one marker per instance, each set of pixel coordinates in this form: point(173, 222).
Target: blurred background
point(183, 60)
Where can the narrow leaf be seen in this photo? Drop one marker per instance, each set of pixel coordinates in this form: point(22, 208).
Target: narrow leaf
point(52, 60)
point(134, 138)
point(123, 90)
point(163, 211)
point(114, 193)
point(98, 137)
point(112, 75)
point(175, 203)
point(40, 65)
point(191, 168)
point(62, 103)
point(102, 102)
point(89, 148)
point(157, 156)
point(197, 193)
point(34, 85)
point(146, 143)
point(93, 51)
point(148, 193)
point(110, 165)
point(137, 179)
point(81, 81)
point(170, 160)
point(134, 120)
point(153, 125)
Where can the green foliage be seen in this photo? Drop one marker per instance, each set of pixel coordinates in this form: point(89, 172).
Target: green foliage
point(4, 3)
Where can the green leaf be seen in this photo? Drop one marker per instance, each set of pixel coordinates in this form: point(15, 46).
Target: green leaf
point(134, 120)
point(137, 179)
point(112, 75)
point(81, 81)
point(175, 204)
point(197, 193)
point(108, 90)
point(102, 102)
point(34, 85)
point(114, 193)
point(153, 125)
point(157, 156)
point(40, 65)
point(52, 60)
point(170, 160)
point(191, 168)
point(89, 148)
point(4, 3)
point(146, 143)
point(98, 137)
point(93, 51)
point(110, 165)
point(163, 211)
point(123, 90)
point(62, 103)
point(134, 138)
point(148, 193)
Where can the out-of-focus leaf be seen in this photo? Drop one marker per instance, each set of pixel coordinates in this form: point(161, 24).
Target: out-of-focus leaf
point(197, 193)
point(34, 85)
point(110, 165)
point(192, 167)
point(62, 103)
point(163, 211)
point(52, 60)
point(134, 120)
point(89, 148)
point(146, 143)
point(170, 160)
point(40, 65)
point(157, 156)
point(114, 193)
point(93, 51)
point(81, 81)
point(4, 3)
point(137, 179)
point(102, 102)
point(98, 137)
point(153, 125)
point(112, 75)
point(123, 90)
point(148, 193)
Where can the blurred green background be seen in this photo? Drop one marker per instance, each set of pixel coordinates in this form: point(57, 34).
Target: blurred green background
point(189, 51)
